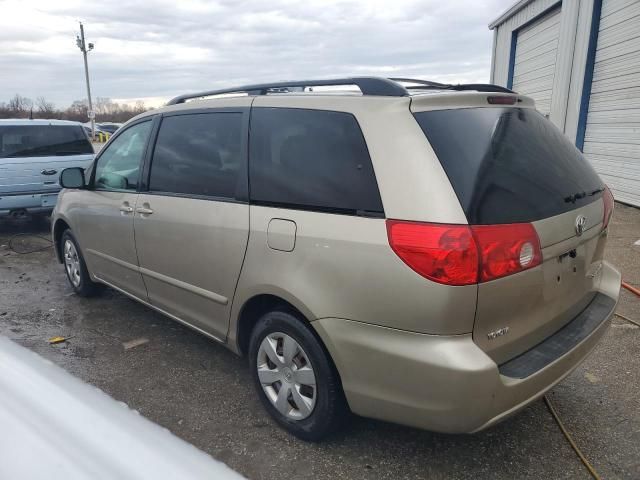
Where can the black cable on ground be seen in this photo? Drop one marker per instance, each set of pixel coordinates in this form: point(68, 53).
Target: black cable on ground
point(573, 444)
point(24, 252)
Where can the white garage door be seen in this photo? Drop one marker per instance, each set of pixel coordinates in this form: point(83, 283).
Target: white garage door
point(535, 59)
point(612, 137)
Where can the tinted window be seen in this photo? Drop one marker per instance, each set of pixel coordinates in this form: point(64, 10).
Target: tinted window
point(43, 140)
point(118, 166)
point(311, 159)
point(509, 165)
point(198, 154)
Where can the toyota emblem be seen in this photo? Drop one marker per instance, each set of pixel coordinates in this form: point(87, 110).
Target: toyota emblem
point(581, 222)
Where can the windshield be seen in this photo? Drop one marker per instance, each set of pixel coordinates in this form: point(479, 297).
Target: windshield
point(509, 165)
point(43, 140)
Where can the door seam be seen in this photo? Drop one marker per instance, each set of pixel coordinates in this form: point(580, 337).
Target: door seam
point(246, 246)
point(135, 244)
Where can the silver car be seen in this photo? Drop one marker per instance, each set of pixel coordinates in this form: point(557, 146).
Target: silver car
point(420, 253)
point(32, 155)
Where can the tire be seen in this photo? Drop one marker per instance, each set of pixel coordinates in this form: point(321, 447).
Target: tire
point(329, 407)
point(75, 266)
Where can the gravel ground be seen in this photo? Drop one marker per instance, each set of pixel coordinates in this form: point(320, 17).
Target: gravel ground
point(202, 392)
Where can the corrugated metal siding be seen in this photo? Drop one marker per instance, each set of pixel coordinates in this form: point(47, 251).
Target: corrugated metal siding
point(535, 60)
point(571, 58)
point(503, 36)
point(612, 138)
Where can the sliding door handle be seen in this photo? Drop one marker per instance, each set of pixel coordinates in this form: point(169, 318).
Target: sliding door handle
point(144, 210)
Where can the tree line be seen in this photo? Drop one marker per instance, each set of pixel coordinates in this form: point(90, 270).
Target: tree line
point(106, 110)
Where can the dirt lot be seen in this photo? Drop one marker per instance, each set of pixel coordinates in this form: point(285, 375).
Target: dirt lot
point(202, 392)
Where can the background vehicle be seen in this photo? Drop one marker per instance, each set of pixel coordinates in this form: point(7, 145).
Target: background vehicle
point(87, 128)
point(32, 155)
point(426, 254)
point(38, 396)
point(109, 127)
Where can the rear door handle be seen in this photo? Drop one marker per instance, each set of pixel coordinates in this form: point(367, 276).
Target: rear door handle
point(144, 211)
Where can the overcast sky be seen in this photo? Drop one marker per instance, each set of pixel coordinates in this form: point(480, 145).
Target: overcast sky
point(158, 49)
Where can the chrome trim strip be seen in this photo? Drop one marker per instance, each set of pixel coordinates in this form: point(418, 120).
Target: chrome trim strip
point(186, 286)
point(164, 278)
point(117, 261)
point(157, 309)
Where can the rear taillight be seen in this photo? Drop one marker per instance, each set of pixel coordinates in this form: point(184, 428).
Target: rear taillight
point(607, 197)
point(506, 249)
point(443, 253)
point(462, 254)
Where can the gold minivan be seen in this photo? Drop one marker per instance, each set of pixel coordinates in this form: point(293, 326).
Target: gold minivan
point(416, 252)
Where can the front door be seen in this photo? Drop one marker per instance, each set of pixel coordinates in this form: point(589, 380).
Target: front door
point(192, 226)
point(105, 211)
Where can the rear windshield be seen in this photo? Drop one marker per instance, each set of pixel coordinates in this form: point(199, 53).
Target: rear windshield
point(43, 140)
point(509, 165)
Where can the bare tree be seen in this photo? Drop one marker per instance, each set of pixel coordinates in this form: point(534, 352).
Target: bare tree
point(78, 111)
point(19, 105)
point(45, 108)
point(139, 107)
point(106, 109)
point(104, 106)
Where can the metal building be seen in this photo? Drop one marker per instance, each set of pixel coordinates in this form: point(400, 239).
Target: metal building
point(580, 61)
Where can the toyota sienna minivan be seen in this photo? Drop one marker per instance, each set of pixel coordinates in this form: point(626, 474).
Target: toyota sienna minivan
point(420, 253)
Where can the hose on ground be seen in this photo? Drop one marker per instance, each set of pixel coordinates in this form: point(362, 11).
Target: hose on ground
point(556, 417)
point(631, 289)
point(569, 438)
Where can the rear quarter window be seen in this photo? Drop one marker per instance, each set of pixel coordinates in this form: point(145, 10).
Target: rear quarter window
point(311, 159)
point(509, 165)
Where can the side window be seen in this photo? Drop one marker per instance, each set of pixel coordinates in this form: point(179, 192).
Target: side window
point(119, 165)
point(311, 159)
point(198, 154)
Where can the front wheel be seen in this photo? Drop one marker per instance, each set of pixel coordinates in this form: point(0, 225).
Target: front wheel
point(75, 266)
point(295, 379)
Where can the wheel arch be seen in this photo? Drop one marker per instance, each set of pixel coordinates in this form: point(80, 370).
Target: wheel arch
point(254, 308)
point(58, 229)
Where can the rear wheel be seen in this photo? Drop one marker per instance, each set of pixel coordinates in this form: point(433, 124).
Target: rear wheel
point(75, 266)
point(295, 379)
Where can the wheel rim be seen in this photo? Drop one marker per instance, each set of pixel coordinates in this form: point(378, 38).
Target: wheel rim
point(72, 262)
point(287, 376)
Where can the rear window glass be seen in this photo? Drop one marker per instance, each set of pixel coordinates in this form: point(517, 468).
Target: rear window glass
point(311, 159)
point(43, 140)
point(509, 165)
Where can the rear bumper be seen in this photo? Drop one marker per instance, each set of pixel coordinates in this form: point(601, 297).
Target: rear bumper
point(447, 383)
point(34, 202)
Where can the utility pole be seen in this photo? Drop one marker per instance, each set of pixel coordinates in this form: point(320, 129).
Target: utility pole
point(84, 48)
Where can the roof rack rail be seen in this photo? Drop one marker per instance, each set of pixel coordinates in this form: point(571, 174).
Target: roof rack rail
point(422, 83)
point(368, 86)
point(428, 85)
point(376, 86)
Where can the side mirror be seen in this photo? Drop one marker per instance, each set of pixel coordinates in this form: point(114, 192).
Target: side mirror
point(72, 178)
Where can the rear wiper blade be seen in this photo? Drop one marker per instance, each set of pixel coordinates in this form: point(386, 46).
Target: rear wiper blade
point(575, 197)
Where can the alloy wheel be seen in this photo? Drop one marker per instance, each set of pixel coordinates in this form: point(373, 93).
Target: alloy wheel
point(72, 262)
point(286, 376)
